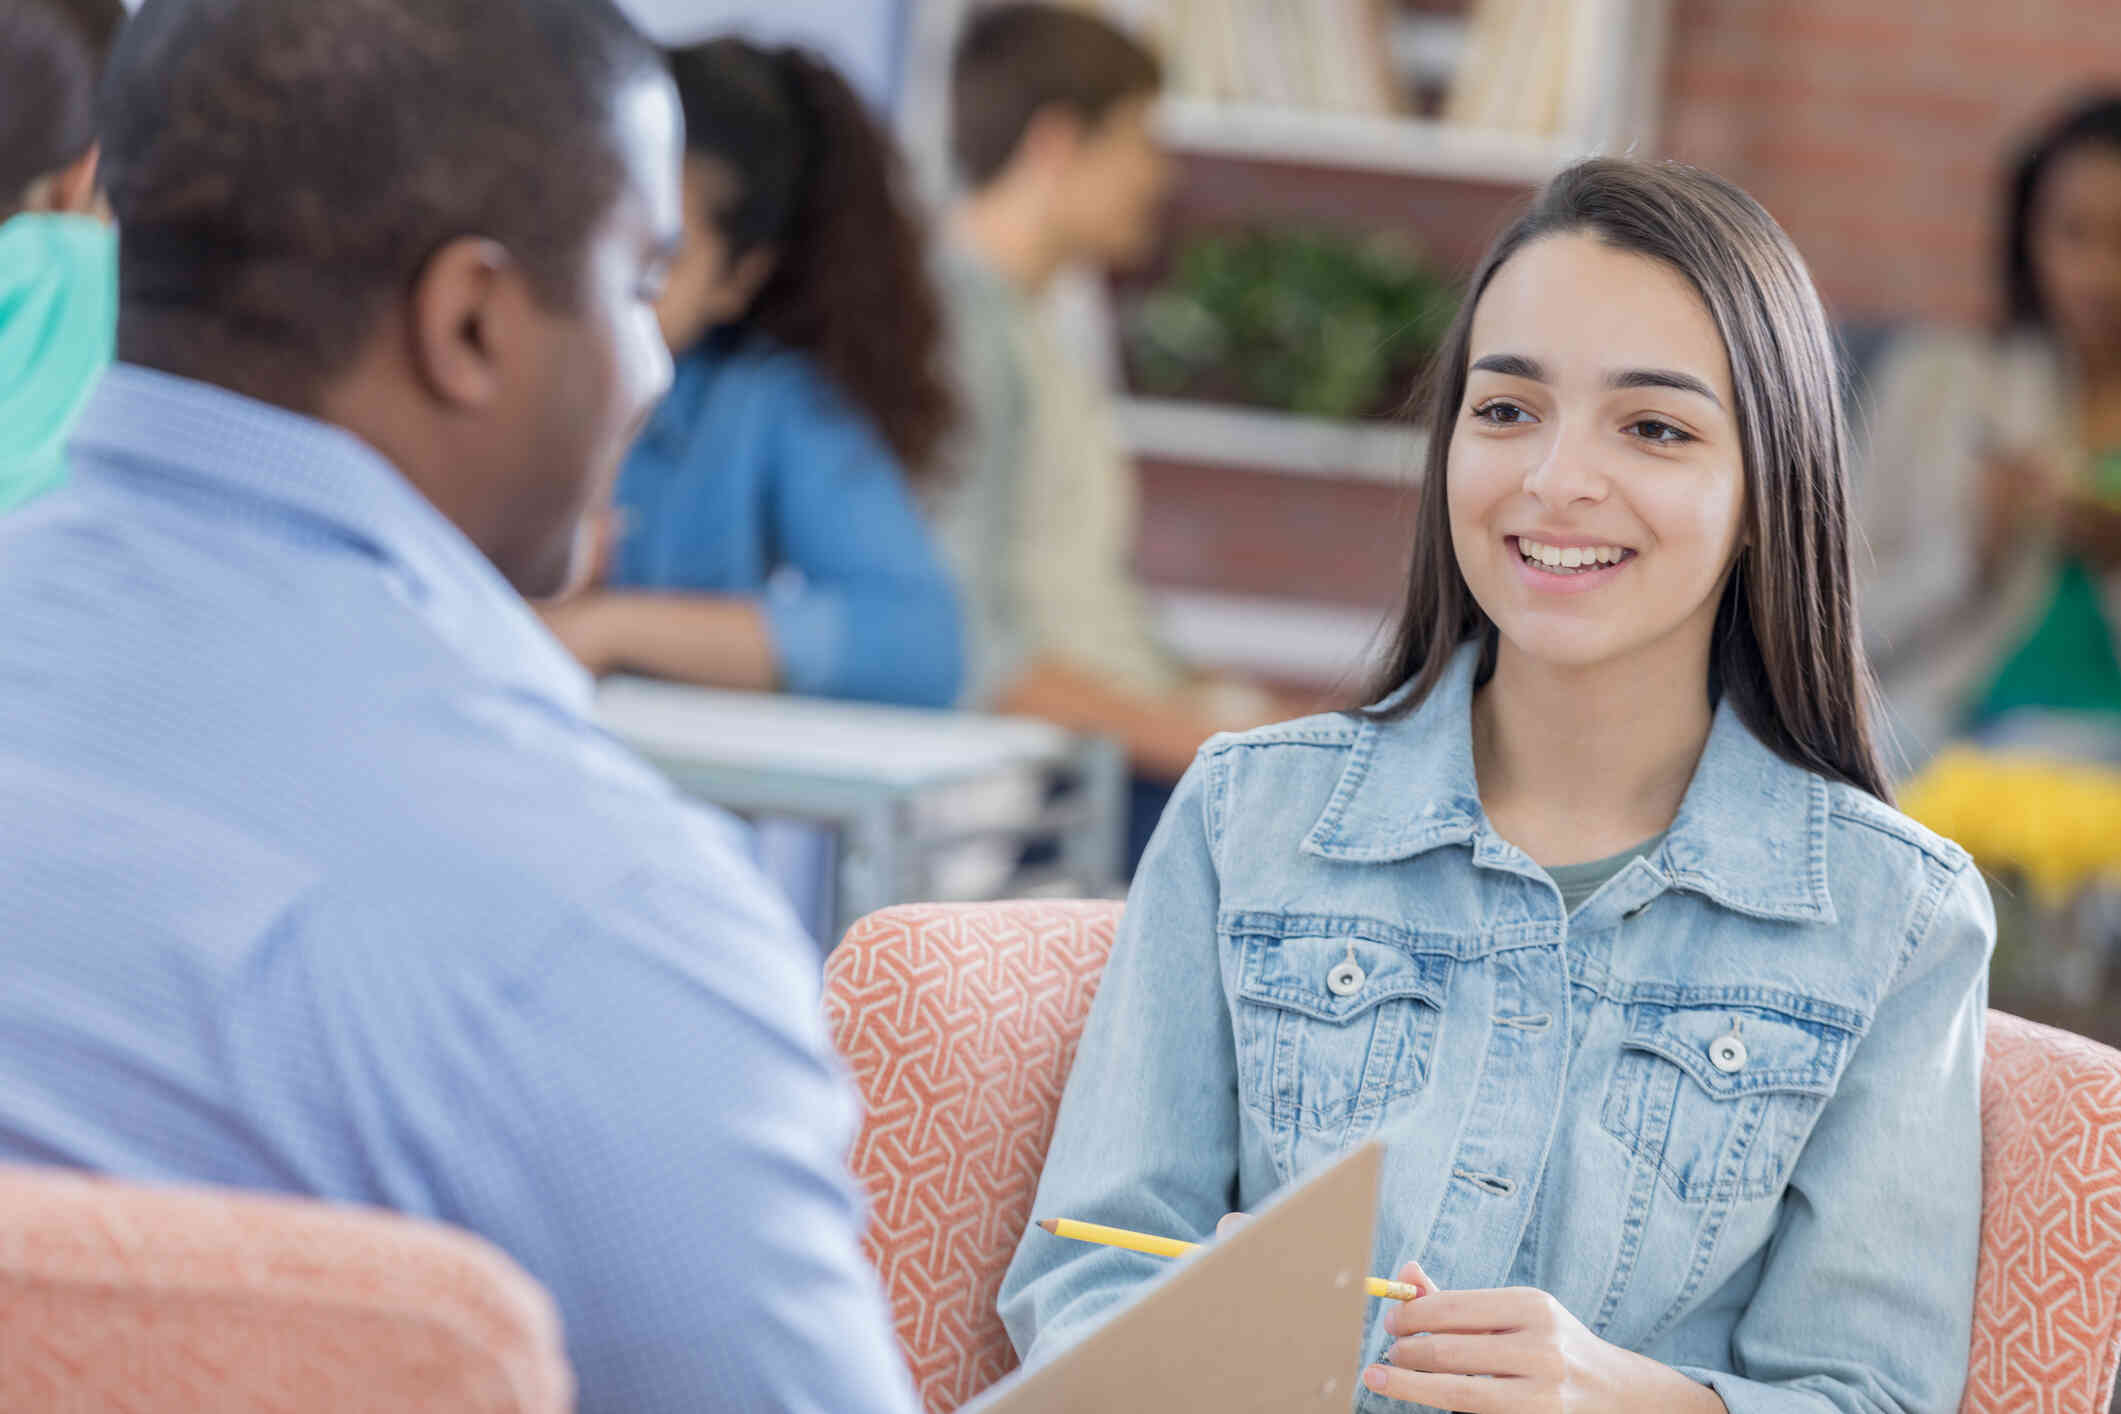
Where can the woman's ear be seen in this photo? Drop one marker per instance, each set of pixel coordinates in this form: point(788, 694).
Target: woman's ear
point(749, 274)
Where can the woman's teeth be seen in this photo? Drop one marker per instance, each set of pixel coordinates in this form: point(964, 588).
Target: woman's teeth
point(1573, 559)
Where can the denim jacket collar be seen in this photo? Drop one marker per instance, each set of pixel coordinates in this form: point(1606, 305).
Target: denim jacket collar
point(1750, 834)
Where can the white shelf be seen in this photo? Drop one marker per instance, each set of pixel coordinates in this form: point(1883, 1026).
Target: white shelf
point(1410, 146)
point(1210, 434)
point(1325, 644)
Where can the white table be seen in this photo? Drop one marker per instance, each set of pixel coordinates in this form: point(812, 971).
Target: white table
point(862, 771)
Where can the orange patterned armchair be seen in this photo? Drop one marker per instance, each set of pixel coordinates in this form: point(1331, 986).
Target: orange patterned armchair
point(2047, 1300)
point(172, 1301)
point(960, 1023)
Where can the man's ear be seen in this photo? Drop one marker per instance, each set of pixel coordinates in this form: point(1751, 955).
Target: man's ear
point(469, 306)
point(1050, 141)
point(71, 189)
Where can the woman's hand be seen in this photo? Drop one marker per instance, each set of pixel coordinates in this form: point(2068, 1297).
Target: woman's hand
point(2019, 492)
point(579, 622)
point(2090, 529)
point(1519, 1351)
point(575, 615)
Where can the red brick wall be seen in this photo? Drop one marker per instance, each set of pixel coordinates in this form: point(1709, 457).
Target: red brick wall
point(1876, 131)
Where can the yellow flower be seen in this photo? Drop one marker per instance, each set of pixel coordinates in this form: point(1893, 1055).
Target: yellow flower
point(2058, 824)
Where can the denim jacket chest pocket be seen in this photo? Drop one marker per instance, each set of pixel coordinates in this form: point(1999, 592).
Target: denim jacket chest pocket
point(1332, 1027)
point(1722, 1095)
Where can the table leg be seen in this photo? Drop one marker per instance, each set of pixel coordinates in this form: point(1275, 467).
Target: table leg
point(876, 849)
point(1092, 850)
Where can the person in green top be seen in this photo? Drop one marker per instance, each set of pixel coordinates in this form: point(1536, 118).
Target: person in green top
point(2067, 662)
point(1992, 496)
point(58, 253)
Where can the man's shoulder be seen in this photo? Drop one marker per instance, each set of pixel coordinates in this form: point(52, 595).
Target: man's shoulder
point(295, 697)
point(519, 808)
point(699, 914)
point(418, 808)
point(982, 313)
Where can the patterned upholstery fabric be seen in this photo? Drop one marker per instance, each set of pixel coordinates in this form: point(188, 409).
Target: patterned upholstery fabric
point(2047, 1313)
point(165, 1301)
point(960, 1023)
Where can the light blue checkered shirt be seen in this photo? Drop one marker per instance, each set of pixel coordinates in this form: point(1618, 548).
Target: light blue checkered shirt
point(319, 879)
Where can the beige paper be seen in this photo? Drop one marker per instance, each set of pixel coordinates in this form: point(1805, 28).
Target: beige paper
point(1265, 1321)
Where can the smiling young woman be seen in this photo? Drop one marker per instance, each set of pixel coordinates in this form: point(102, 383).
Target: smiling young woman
point(1598, 916)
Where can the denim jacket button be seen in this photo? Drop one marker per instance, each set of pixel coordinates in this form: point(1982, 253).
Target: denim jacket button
point(1727, 1054)
point(1346, 979)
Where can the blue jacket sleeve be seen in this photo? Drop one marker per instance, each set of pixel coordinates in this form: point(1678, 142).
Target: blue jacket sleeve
point(1147, 1137)
point(860, 605)
point(1882, 1220)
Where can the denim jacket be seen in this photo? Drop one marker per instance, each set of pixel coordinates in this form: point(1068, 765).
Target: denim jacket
point(1728, 1112)
point(758, 477)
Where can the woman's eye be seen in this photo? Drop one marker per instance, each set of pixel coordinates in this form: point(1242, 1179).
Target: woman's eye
point(1651, 429)
point(1502, 414)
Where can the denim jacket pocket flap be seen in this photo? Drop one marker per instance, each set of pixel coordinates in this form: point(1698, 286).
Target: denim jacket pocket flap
point(1736, 1051)
point(1336, 979)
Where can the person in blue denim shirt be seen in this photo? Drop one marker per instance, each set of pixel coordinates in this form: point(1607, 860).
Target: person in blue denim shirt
point(1599, 918)
point(767, 534)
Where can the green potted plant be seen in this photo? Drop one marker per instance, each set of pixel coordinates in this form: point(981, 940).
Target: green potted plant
point(1305, 322)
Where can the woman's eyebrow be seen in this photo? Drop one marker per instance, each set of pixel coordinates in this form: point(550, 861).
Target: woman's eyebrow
point(1511, 366)
point(1662, 378)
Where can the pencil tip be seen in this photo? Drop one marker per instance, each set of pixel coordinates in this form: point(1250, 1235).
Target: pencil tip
point(1050, 1224)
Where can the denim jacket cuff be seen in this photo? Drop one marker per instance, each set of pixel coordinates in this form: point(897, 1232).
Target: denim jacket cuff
point(1743, 1396)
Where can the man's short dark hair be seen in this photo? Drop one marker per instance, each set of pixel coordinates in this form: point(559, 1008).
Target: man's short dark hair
point(281, 170)
point(48, 67)
point(1014, 61)
point(98, 20)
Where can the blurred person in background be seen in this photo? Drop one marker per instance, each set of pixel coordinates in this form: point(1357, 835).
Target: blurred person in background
point(768, 533)
point(1050, 133)
point(58, 254)
point(321, 878)
point(1992, 498)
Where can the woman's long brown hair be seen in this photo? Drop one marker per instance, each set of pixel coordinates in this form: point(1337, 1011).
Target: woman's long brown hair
point(1786, 651)
point(819, 180)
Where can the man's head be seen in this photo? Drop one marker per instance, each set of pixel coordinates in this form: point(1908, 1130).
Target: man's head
point(51, 52)
point(1052, 106)
point(440, 224)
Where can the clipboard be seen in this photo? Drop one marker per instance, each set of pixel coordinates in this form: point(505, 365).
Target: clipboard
point(1265, 1321)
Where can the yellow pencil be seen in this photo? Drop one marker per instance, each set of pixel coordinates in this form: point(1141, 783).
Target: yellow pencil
point(1172, 1247)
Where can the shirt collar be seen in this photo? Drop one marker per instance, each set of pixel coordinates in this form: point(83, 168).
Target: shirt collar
point(961, 258)
point(140, 421)
point(1750, 834)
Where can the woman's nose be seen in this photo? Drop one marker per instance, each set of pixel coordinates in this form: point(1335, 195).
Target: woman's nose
point(1568, 474)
